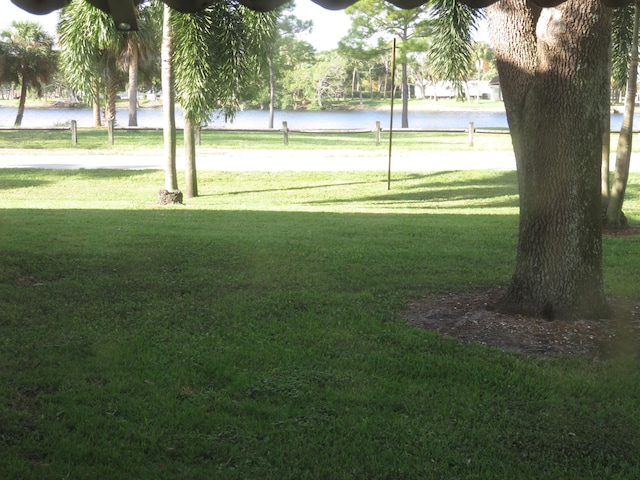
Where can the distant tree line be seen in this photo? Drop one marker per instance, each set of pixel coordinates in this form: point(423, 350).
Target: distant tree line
point(90, 62)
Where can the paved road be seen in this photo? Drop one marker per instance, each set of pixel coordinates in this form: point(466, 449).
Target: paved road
point(275, 160)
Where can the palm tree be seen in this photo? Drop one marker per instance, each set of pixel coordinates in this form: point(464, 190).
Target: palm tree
point(29, 59)
point(89, 48)
point(217, 52)
point(448, 22)
point(170, 193)
point(140, 48)
point(625, 54)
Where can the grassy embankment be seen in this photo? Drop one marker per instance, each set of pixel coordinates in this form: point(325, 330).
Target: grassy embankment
point(256, 333)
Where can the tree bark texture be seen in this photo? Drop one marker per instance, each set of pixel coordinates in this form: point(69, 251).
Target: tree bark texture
point(168, 102)
point(552, 64)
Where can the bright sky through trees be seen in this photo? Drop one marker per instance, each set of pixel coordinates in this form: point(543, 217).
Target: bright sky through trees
point(329, 26)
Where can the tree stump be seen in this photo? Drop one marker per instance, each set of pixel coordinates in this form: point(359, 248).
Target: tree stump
point(165, 197)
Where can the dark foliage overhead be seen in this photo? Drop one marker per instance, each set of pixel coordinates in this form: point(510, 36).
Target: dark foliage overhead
point(123, 11)
point(114, 6)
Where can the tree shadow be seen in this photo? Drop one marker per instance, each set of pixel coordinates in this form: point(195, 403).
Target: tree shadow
point(287, 189)
point(16, 183)
point(500, 190)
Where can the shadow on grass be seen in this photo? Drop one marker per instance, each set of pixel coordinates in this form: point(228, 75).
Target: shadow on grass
point(437, 188)
point(11, 176)
point(245, 332)
point(306, 187)
point(14, 183)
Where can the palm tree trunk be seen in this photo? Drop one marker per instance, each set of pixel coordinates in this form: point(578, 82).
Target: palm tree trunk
point(133, 88)
point(112, 90)
point(97, 119)
point(405, 96)
point(272, 91)
point(319, 93)
point(615, 217)
point(21, 103)
point(168, 99)
point(191, 185)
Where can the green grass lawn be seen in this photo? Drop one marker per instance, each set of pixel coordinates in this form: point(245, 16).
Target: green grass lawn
point(255, 333)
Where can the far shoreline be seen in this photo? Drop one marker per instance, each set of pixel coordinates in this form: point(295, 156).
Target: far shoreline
point(415, 105)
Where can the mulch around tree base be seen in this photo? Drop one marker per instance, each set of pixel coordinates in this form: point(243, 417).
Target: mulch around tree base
point(468, 317)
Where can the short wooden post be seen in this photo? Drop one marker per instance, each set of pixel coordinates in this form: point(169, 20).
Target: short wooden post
point(378, 130)
point(74, 132)
point(471, 132)
point(110, 125)
point(285, 133)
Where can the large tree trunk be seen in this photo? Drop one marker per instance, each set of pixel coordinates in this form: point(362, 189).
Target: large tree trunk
point(615, 217)
point(168, 102)
point(133, 87)
point(21, 103)
point(553, 71)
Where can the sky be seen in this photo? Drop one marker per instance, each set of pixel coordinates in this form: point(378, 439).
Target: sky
point(329, 26)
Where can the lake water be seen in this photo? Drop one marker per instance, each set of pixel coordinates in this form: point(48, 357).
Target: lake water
point(258, 119)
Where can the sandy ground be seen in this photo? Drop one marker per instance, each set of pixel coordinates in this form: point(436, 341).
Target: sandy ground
point(275, 160)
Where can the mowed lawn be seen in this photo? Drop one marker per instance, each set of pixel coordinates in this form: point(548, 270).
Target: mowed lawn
point(256, 333)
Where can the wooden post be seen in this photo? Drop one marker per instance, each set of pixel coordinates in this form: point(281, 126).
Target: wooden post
point(110, 129)
point(285, 133)
point(74, 132)
point(378, 132)
point(471, 132)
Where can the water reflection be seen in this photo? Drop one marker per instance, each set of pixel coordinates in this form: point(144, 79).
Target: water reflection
point(152, 118)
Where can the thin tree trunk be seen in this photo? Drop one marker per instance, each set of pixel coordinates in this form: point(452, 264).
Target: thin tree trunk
point(605, 187)
point(21, 104)
point(386, 83)
point(97, 118)
point(191, 177)
point(168, 102)
point(319, 93)
point(552, 66)
point(112, 89)
point(353, 83)
point(272, 91)
point(133, 87)
point(405, 96)
point(615, 218)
